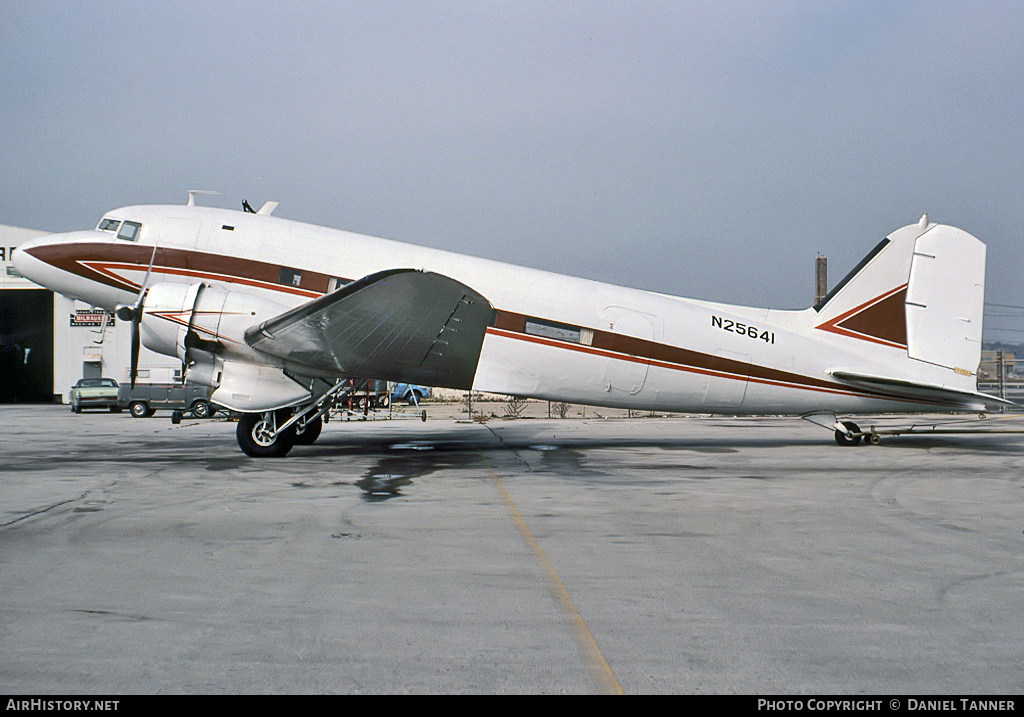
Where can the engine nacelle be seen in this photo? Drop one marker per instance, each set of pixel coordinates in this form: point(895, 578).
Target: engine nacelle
point(203, 326)
point(162, 309)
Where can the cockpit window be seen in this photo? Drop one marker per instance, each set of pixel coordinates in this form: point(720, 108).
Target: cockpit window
point(109, 225)
point(129, 231)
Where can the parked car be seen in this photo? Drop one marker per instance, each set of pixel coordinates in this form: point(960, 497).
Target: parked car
point(144, 400)
point(409, 393)
point(94, 393)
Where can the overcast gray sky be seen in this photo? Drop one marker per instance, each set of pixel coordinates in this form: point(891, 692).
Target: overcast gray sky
point(700, 149)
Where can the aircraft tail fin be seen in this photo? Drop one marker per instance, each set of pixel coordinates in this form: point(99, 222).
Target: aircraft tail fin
point(920, 292)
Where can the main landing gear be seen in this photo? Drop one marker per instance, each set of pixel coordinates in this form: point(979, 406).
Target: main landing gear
point(272, 434)
point(259, 436)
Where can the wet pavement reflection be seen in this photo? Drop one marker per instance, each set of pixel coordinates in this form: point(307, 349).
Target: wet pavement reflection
point(405, 461)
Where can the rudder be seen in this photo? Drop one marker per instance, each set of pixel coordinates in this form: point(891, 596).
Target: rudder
point(945, 299)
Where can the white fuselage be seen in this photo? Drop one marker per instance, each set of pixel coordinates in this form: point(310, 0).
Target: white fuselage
point(554, 337)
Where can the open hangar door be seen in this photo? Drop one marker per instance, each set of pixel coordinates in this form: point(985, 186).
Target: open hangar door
point(26, 346)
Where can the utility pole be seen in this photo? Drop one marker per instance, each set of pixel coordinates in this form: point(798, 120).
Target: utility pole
point(1001, 372)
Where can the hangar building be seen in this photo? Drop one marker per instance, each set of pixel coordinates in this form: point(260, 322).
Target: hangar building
point(48, 342)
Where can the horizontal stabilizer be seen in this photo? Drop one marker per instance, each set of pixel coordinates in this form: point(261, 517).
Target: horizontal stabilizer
point(926, 393)
point(398, 325)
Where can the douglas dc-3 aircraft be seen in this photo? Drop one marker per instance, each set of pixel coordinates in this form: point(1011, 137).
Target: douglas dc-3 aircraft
point(272, 315)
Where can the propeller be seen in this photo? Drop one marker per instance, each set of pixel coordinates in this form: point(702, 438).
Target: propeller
point(191, 337)
point(133, 313)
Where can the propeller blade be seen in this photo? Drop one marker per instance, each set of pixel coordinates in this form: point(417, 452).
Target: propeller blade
point(145, 280)
point(136, 320)
point(135, 314)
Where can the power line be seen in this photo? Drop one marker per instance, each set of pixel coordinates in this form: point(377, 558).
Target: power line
point(1000, 328)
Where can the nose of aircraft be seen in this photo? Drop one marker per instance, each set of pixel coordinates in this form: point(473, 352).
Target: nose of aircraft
point(30, 266)
point(60, 262)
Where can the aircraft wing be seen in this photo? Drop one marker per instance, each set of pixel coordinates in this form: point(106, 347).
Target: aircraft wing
point(400, 325)
point(955, 398)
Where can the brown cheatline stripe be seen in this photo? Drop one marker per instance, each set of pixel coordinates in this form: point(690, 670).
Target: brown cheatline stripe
point(628, 348)
point(93, 261)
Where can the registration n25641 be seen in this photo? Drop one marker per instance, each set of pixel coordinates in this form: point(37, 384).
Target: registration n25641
point(747, 330)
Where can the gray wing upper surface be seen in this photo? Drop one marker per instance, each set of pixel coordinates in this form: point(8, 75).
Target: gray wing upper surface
point(400, 325)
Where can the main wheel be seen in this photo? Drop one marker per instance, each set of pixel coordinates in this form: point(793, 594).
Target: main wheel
point(257, 437)
point(308, 434)
point(845, 440)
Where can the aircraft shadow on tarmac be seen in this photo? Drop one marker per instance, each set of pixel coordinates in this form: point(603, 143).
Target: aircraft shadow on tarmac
point(400, 462)
point(400, 459)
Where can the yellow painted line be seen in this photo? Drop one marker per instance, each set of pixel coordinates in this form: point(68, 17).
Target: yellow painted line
point(596, 664)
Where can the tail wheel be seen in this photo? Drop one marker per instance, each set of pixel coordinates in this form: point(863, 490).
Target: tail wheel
point(258, 436)
point(848, 440)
